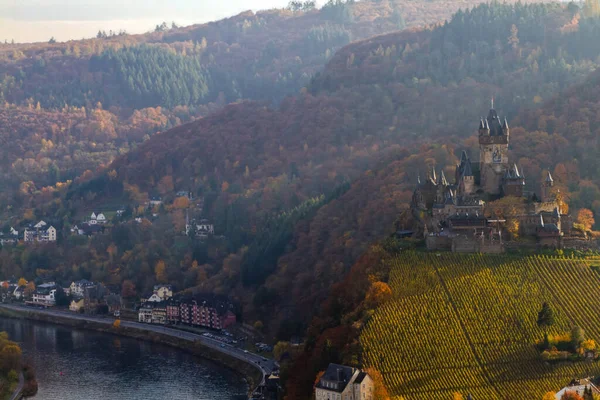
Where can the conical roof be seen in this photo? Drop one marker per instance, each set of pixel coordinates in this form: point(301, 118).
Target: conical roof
point(468, 171)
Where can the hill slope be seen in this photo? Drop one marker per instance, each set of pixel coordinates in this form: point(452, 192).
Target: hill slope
point(254, 162)
point(467, 323)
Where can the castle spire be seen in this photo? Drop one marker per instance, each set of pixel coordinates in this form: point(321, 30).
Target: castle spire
point(443, 180)
point(549, 178)
point(516, 171)
point(492, 102)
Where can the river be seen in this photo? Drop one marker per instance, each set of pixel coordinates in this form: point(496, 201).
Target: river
point(75, 364)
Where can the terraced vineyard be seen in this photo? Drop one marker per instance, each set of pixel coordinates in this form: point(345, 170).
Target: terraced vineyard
point(467, 323)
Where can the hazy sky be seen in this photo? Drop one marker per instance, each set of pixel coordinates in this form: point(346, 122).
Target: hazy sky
point(38, 20)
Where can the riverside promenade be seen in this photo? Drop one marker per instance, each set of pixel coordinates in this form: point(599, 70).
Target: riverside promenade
point(265, 366)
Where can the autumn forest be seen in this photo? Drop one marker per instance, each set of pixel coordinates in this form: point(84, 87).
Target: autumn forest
point(298, 133)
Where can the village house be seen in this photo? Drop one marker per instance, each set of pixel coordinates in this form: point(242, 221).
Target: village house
point(76, 305)
point(185, 193)
point(85, 229)
point(154, 298)
point(12, 236)
point(198, 312)
point(19, 292)
point(340, 382)
point(164, 292)
point(159, 313)
point(203, 229)
point(579, 386)
point(77, 289)
point(44, 295)
point(155, 201)
point(145, 313)
point(173, 312)
point(97, 219)
point(188, 311)
point(40, 232)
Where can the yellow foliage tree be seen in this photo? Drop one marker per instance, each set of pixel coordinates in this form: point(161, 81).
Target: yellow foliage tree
point(160, 270)
point(512, 226)
point(585, 217)
point(549, 396)
point(29, 289)
point(117, 324)
point(22, 282)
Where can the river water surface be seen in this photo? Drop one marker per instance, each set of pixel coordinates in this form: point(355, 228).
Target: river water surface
point(85, 365)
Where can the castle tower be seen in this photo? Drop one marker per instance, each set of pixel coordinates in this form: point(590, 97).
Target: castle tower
point(466, 184)
point(493, 152)
point(547, 187)
point(513, 182)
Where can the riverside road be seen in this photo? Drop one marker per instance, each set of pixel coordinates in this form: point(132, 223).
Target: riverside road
point(266, 367)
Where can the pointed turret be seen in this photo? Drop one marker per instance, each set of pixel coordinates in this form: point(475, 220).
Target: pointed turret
point(433, 175)
point(467, 171)
point(516, 171)
point(505, 128)
point(418, 179)
point(547, 187)
point(442, 180)
point(541, 220)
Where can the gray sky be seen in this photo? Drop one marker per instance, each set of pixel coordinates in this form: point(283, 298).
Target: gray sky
point(38, 20)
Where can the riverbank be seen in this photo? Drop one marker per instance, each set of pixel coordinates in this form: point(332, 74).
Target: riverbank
point(249, 365)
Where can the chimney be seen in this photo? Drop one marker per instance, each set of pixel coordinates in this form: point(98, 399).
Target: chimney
point(340, 375)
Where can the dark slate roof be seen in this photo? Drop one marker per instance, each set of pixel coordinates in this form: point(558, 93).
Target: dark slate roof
point(468, 171)
point(494, 123)
point(360, 377)
point(338, 375)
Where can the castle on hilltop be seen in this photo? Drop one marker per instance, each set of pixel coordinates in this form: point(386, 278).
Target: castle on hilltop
point(470, 215)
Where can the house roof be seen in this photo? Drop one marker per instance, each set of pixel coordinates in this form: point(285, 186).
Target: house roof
point(361, 376)
point(337, 374)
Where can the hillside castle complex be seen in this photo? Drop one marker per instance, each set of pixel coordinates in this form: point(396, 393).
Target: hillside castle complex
point(487, 201)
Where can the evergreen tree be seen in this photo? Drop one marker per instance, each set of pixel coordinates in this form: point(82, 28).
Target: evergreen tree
point(545, 316)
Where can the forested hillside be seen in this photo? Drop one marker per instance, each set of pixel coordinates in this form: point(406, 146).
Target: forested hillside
point(251, 162)
point(170, 76)
point(298, 190)
point(144, 84)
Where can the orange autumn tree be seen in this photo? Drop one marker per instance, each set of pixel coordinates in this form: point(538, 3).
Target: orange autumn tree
point(380, 391)
point(378, 293)
point(570, 395)
point(549, 396)
point(318, 378)
point(585, 217)
point(181, 202)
